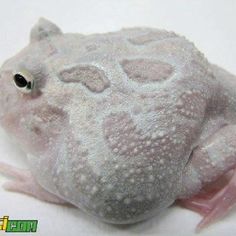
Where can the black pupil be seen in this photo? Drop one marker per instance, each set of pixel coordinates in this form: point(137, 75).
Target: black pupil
point(20, 80)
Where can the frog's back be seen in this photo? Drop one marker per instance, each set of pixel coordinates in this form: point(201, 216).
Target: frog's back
point(140, 59)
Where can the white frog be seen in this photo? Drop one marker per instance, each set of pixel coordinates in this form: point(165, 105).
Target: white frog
point(120, 124)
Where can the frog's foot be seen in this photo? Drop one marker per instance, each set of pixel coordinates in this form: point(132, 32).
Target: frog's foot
point(213, 205)
point(25, 183)
point(209, 162)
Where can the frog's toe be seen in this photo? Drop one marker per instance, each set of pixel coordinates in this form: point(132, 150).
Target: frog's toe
point(213, 207)
point(197, 204)
point(24, 182)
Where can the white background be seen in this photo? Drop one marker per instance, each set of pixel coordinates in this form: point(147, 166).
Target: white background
point(210, 24)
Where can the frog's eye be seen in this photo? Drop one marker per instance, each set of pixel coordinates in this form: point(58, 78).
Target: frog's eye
point(23, 81)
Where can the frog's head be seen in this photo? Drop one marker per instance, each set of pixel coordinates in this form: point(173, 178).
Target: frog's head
point(30, 100)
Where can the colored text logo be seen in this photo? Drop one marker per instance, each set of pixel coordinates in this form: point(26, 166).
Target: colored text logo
point(17, 226)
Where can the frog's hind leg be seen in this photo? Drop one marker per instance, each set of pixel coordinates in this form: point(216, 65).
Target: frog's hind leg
point(212, 204)
point(208, 165)
point(25, 183)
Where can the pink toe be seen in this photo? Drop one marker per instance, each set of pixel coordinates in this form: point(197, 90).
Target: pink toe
point(215, 207)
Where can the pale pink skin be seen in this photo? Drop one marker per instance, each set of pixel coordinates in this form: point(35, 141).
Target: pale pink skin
point(121, 124)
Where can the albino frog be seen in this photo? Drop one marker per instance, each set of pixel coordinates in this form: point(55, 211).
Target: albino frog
point(120, 124)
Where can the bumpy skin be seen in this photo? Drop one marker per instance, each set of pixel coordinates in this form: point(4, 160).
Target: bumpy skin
point(113, 119)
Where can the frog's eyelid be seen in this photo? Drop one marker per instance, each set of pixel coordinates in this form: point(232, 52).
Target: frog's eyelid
point(8, 71)
point(43, 29)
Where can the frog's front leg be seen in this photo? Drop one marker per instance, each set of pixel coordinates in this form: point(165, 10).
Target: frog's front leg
point(208, 162)
point(25, 183)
